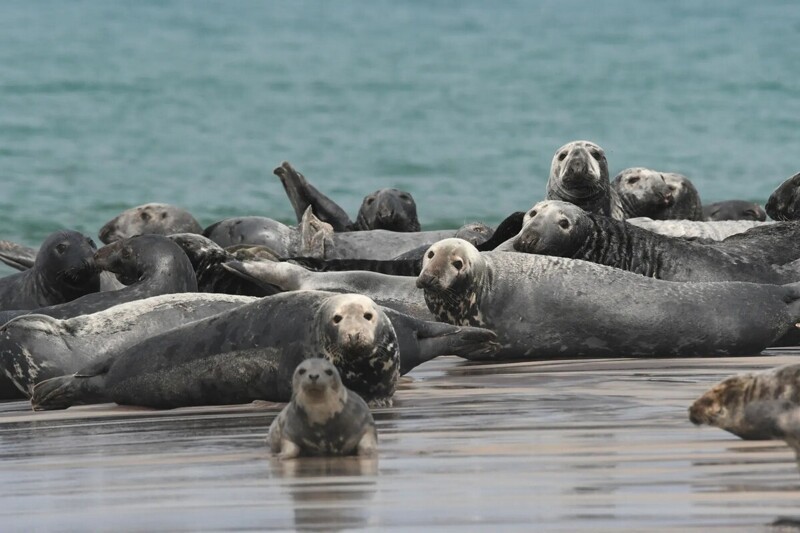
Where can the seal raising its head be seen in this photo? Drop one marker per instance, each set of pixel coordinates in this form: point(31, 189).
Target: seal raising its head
point(161, 219)
point(784, 202)
point(724, 405)
point(686, 204)
point(579, 175)
point(324, 418)
point(643, 193)
point(389, 209)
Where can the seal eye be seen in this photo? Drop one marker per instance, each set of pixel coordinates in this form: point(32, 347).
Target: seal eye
point(163, 216)
point(329, 372)
point(91, 243)
point(430, 255)
point(564, 223)
point(405, 197)
point(633, 180)
point(597, 154)
point(562, 156)
point(301, 371)
point(337, 319)
point(532, 213)
point(126, 253)
point(61, 248)
point(370, 200)
point(368, 316)
point(144, 216)
point(458, 264)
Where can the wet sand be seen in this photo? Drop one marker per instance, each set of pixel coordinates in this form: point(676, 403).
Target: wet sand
point(565, 445)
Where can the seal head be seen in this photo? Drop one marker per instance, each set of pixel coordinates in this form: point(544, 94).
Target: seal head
point(160, 219)
point(553, 228)
point(579, 175)
point(643, 192)
point(388, 209)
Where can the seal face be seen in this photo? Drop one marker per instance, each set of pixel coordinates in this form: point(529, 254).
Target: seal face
point(388, 209)
point(160, 219)
point(784, 202)
point(554, 228)
point(643, 192)
point(686, 204)
point(63, 270)
point(724, 404)
point(324, 418)
point(579, 175)
point(734, 210)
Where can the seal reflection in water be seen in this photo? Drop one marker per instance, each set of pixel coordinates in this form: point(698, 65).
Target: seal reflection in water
point(324, 418)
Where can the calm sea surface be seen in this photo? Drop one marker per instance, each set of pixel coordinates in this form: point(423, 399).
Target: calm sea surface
point(107, 105)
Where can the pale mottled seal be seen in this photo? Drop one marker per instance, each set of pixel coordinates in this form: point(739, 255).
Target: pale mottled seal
point(38, 347)
point(323, 418)
point(696, 229)
point(387, 209)
point(565, 230)
point(784, 202)
point(642, 193)
point(579, 175)
point(687, 204)
point(734, 210)
point(159, 219)
point(241, 355)
point(724, 405)
point(148, 265)
point(542, 307)
point(63, 270)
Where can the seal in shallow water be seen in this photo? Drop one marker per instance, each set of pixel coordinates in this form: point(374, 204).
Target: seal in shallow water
point(159, 219)
point(724, 405)
point(245, 354)
point(62, 271)
point(323, 418)
point(543, 307)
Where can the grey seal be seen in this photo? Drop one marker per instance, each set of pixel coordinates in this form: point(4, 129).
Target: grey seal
point(544, 307)
point(642, 192)
point(778, 419)
point(724, 405)
point(34, 348)
point(687, 204)
point(159, 219)
point(696, 229)
point(784, 202)
point(579, 175)
point(241, 355)
point(323, 418)
point(387, 209)
point(734, 210)
point(63, 270)
point(565, 230)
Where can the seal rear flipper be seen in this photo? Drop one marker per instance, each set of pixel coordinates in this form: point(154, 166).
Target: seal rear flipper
point(16, 255)
point(268, 274)
point(303, 195)
point(438, 338)
point(315, 235)
point(66, 391)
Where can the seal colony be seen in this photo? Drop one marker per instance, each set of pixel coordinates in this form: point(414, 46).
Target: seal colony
point(328, 314)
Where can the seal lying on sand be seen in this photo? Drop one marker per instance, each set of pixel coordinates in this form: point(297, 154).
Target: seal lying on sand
point(734, 210)
point(724, 405)
point(38, 347)
point(784, 202)
point(62, 271)
point(387, 209)
point(245, 354)
point(159, 219)
point(148, 264)
point(542, 307)
point(323, 418)
point(565, 230)
point(579, 175)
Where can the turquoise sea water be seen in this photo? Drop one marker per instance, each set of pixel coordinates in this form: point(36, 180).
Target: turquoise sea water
point(107, 105)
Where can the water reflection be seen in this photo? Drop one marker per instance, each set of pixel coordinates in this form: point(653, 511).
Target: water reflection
point(330, 493)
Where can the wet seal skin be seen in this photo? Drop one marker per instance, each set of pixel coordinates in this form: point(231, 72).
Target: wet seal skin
point(323, 418)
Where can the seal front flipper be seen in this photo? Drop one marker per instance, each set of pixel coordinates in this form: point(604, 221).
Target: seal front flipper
point(302, 195)
point(87, 386)
point(16, 255)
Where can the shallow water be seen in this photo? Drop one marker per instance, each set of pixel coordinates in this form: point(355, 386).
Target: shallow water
point(604, 445)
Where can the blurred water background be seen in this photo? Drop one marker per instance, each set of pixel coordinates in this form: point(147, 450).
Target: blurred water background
point(107, 105)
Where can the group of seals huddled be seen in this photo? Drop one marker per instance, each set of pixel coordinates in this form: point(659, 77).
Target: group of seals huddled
point(327, 314)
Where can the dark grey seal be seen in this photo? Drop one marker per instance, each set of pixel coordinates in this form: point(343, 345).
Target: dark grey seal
point(544, 307)
point(63, 270)
point(159, 219)
point(34, 348)
point(565, 230)
point(778, 419)
point(245, 354)
point(724, 405)
point(734, 210)
point(324, 418)
point(148, 265)
point(686, 204)
point(387, 209)
point(579, 175)
point(784, 202)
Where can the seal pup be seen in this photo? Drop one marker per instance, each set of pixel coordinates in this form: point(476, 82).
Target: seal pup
point(687, 204)
point(543, 307)
point(387, 209)
point(734, 210)
point(642, 193)
point(148, 265)
point(34, 348)
point(579, 175)
point(724, 405)
point(565, 230)
point(784, 202)
point(323, 418)
point(241, 355)
point(159, 219)
point(696, 229)
point(62, 271)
